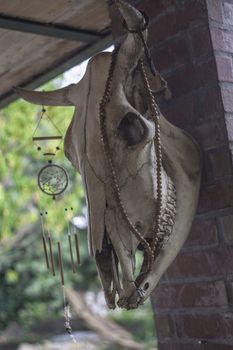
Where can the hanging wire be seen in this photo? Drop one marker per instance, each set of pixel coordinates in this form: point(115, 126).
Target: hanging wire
point(34, 139)
point(37, 126)
point(54, 125)
point(67, 316)
point(44, 112)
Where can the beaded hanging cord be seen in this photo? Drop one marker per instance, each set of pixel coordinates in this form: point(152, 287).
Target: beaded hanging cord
point(158, 234)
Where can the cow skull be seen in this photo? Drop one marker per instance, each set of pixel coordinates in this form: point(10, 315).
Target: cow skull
point(130, 132)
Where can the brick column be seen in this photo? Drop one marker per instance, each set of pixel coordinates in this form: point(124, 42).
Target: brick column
point(192, 45)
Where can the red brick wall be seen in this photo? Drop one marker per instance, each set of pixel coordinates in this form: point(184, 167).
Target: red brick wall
point(221, 28)
point(192, 45)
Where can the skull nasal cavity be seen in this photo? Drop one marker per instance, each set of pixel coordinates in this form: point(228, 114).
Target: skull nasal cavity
point(132, 129)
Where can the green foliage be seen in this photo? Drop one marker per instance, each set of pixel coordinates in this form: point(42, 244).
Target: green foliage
point(28, 291)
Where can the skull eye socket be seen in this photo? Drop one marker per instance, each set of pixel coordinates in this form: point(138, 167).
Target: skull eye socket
point(132, 129)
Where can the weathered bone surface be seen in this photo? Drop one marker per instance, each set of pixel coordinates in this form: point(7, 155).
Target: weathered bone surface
point(130, 133)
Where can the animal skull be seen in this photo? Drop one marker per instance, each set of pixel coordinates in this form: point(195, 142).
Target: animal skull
point(130, 132)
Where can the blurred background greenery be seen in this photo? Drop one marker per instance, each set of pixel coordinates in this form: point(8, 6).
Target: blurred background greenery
point(29, 295)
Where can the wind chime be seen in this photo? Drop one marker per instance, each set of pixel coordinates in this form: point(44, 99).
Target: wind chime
point(53, 181)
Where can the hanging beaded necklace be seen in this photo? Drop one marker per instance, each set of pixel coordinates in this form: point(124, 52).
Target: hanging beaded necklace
point(162, 226)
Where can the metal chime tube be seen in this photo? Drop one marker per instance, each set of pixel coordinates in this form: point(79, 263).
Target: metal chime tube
point(77, 249)
point(45, 252)
point(51, 256)
point(71, 254)
point(60, 263)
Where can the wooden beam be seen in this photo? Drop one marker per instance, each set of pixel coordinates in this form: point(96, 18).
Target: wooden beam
point(47, 29)
point(52, 73)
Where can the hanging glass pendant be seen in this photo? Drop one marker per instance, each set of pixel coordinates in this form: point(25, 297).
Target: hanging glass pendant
point(53, 179)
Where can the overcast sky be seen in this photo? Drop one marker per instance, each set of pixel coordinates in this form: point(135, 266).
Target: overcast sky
point(76, 73)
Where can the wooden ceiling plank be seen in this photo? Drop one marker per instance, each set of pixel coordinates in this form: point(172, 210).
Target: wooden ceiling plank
point(34, 10)
point(24, 50)
point(52, 30)
point(47, 57)
point(83, 14)
point(76, 59)
point(92, 15)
